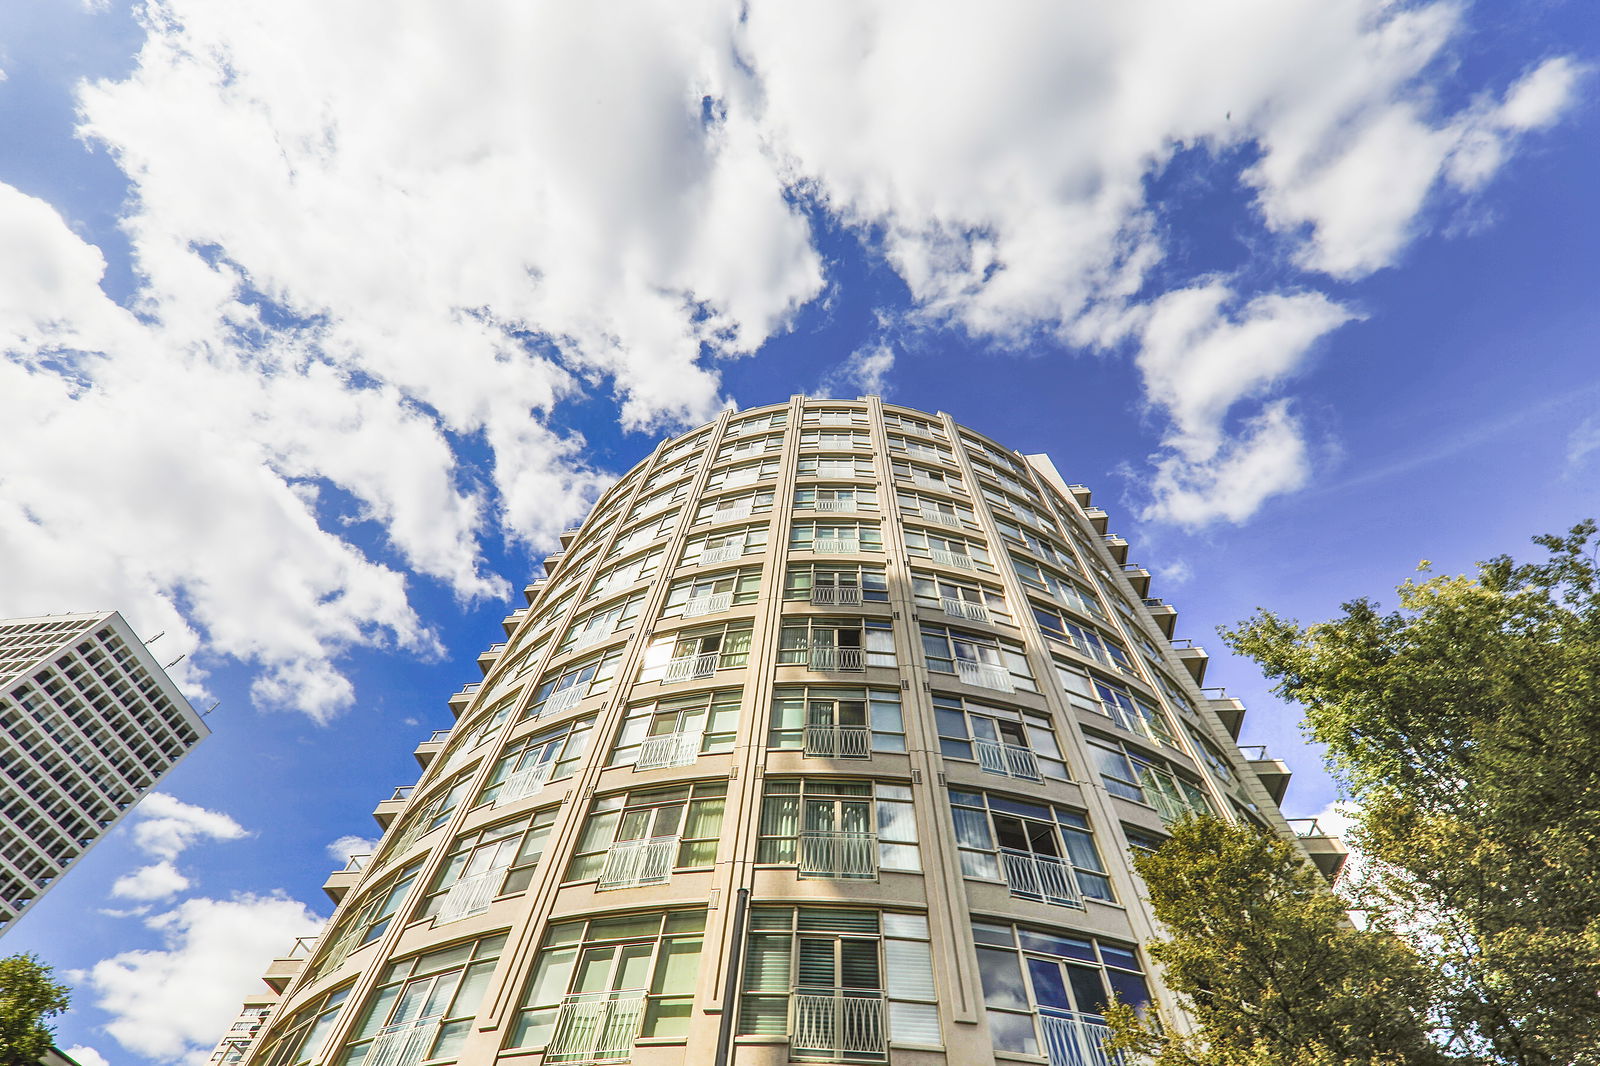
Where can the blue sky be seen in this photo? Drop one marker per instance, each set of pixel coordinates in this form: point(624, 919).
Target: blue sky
point(319, 321)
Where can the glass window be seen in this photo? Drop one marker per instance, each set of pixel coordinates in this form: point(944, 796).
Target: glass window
point(676, 731)
point(697, 653)
point(1144, 779)
point(832, 722)
point(640, 837)
point(710, 593)
point(832, 584)
point(301, 1037)
point(1002, 740)
point(486, 864)
point(573, 683)
point(837, 536)
point(1041, 851)
point(836, 644)
point(426, 1001)
point(838, 829)
point(977, 660)
point(528, 764)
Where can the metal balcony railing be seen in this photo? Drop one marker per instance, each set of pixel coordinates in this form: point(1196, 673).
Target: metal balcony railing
point(1040, 877)
point(565, 700)
point(691, 667)
point(1073, 1041)
point(638, 862)
point(521, 784)
point(402, 792)
point(590, 635)
point(959, 560)
point(733, 511)
point(724, 553)
point(669, 749)
point(836, 596)
point(469, 896)
point(404, 1043)
point(838, 741)
point(712, 603)
point(1308, 827)
point(837, 660)
point(835, 545)
point(839, 856)
point(941, 518)
point(957, 608)
point(439, 736)
point(985, 675)
point(834, 418)
point(838, 1024)
point(738, 478)
point(1012, 760)
point(834, 505)
point(596, 1027)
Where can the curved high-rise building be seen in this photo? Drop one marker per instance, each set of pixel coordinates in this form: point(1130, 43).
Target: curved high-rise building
point(824, 739)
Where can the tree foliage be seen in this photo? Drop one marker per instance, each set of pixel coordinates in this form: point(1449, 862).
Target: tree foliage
point(1267, 964)
point(1466, 727)
point(27, 997)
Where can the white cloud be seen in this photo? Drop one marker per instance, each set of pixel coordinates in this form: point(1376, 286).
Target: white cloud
point(866, 370)
point(168, 826)
point(1582, 442)
point(363, 233)
point(1177, 572)
point(159, 880)
point(86, 1056)
point(169, 1005)
point(342, 849)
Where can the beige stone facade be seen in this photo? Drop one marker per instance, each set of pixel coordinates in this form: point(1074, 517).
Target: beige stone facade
point(824, 739)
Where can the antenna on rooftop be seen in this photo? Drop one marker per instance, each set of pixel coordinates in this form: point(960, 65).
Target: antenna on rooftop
point(155, 638)
point(207, 712)
point(174, 662)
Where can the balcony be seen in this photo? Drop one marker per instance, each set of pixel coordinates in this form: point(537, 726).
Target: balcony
point(714, 603)
point(935, 484)
point(1040, 877)
point(836, 660)
point(956, 608)
point(284, 969)
point(835, 545)
point(839, 1024)
point(387, 811)
point(589, 636)
point(1229, 709)
point(959, 560)
point(562, 701)
point(458, 700)
point(1117, 546)
point(838, 741)
point(1073, 1041)
point(985, 675)
point(513, 620)
point(669, 749)
point(835, 596)
point(834, 505)
point(487, 657)
point(1164, 615)
point(1193, 657)
point(403, 1043)
point(1010, 760)
point(596, 1027)
point(942, 519)
point(431, 747)
point(740, 478)
point(524, 783)
point(691, 667)
point(1326, 850)
point(638, 862)
point(469, 896)
point(1274, 773)
point(1138, 577)
point(1097, 518)
point(725, 553)
point(838, 856)
point(340, 882)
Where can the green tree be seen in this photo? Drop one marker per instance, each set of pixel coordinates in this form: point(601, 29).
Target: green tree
point(27, 997)
point(1262, 957)
point(1466, 726)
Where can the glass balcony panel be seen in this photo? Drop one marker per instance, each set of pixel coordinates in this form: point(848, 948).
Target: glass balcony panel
point(669, 749)
point(837, 660)
point(838, 855)
point(1012, 760)
point(714, 603)
point(596, 1027)
point(691, 667)
point(985, 675)
point(838, 1024)
point(838, 741)
point(638, 862)
point(1040, 877)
